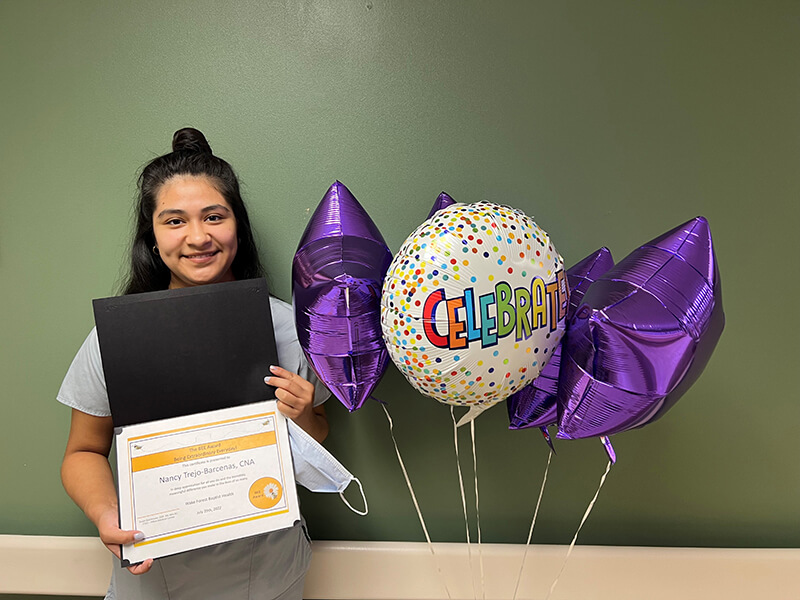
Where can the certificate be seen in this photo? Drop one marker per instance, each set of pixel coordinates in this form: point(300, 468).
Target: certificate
point(203, 479)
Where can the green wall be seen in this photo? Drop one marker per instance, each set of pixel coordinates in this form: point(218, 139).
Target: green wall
point(609, 122)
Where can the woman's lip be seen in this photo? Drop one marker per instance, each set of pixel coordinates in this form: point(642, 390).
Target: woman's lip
point(201, 257)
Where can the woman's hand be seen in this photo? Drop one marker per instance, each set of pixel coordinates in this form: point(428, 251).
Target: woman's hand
point(88, 480)
point(112, 536)
point(296, 401)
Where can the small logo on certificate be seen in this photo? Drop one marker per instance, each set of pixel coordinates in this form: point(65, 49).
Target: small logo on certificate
point(265, 493)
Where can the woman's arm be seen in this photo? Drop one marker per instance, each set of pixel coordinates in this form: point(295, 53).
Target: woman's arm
point(296, 401)
point(88, 480)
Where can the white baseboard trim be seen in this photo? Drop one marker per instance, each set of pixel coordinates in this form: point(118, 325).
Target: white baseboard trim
point(79, 566)
point(394, 571)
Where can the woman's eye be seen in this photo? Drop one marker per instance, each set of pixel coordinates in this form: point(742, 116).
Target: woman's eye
point(174, 222)
point(213, 218)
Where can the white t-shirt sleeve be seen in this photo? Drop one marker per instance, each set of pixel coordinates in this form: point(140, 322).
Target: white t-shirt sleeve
point(84, 386)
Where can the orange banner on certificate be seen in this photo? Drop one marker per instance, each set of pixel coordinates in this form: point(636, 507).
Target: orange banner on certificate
point(182, 455)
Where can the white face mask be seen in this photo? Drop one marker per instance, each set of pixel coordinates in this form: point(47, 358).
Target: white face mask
point(316, 469)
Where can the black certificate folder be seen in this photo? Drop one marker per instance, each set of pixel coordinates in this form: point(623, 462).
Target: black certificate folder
point(178, 352)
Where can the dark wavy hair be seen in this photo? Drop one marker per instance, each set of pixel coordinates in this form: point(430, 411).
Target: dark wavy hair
point(191, 155)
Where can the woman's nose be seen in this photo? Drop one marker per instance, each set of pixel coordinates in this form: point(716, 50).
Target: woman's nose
point(198, 234)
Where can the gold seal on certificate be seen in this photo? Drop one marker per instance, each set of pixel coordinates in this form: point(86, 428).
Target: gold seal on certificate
point(193, 481)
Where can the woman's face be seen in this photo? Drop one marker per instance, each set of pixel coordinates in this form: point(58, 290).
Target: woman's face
point(195, 231)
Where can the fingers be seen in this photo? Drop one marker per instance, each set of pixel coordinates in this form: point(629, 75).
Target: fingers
point(142, 567)
point(288, 411)
point(291, 405)
point(110, 533)
point(291, 382)
point(114, 538)
point(295, 395)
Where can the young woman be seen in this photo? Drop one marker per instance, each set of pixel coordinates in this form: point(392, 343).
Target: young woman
point(192, 229)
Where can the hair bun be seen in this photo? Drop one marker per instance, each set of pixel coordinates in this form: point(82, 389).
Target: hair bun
point(190, 139)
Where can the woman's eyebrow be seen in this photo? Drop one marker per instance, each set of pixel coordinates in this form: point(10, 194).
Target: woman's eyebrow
point(171, 211)
point(178, 211)
point(214, 207)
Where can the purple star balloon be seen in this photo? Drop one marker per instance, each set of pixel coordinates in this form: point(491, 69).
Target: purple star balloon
point(443, 200)
point(535, 404)
point(337, 275)
point(642, 336)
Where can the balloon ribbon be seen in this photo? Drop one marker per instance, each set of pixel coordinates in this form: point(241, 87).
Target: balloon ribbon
point(477, 507)
point(533, 522)
point(575, 538)
point(414, 499)
point(463, 496)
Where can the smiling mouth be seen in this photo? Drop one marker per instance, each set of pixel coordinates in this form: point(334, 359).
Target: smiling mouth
point(201, 257)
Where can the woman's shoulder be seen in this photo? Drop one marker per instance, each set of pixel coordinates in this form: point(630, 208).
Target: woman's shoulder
point(278, 306)
point(283, 321)
point(84, 385)
point(282, 313)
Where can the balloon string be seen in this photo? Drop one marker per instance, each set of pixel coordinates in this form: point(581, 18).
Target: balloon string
point(583, 520)
point(477, 507)
point(414, 499)
point(463, 496)
point(533, 522)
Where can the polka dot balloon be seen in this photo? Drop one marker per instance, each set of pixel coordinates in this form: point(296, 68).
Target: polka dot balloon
point(474, 304)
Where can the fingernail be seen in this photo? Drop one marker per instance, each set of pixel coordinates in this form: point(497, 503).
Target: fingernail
point(267, 379)
point(138, 536)
point(272, 368)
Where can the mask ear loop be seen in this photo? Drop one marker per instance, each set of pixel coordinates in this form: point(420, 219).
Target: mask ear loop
point(363, 497)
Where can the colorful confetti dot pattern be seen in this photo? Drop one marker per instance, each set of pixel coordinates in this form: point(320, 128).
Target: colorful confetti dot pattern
point(468, 250)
